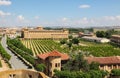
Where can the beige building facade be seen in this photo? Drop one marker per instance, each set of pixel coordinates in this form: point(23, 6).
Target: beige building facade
point(40, 33)
point(106, 63)
point(115, 39)
point(52, 60)
point(22, 73)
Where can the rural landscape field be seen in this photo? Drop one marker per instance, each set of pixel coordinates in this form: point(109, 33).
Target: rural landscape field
point(43, 46)
point(59, 38)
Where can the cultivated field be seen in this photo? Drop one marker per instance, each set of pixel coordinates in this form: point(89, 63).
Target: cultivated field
point(99, 49)
point(95, 49)
point(42, 46)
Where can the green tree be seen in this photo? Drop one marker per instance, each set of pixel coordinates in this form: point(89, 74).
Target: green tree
point(69, 45)
point(63, 41)
point(40, 67)
point(100, 34)
point(75, 41)
point(77, 63)
point(94, 66)
point(108, 34)
point(95, 74)
point(70, 37)
point(115, 72)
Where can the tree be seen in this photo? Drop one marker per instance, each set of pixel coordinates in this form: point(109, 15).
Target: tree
point(40, 67)
point(77, 63)
point(108, 34)
point(69, 44)
point(81, 62)
point(63, 41)
point(75, 41)
point(70, 37)
point(100, 34)
point(95, 74)
point(17, 43)
point(94, 66)
point(115, 72)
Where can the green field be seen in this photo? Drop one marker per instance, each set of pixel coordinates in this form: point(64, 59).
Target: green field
point(99, 49)
point(95, 49)
point(43, 46)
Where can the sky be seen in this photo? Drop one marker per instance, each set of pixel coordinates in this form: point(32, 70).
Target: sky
point(62, 13)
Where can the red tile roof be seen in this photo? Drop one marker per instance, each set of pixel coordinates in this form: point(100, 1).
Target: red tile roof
point(54, 53)
point(104, 60)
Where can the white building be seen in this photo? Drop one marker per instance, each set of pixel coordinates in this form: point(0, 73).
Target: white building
point(96, 39)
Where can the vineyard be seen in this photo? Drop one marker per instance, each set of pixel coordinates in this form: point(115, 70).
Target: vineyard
point(42, 46)
point(99, 50)
point(95, 49)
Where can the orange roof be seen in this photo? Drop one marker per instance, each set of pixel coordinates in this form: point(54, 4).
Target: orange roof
point(54, 53)
point(104, 60)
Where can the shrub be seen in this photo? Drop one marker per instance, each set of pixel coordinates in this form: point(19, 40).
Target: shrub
point(115, 72)
point(40, 67)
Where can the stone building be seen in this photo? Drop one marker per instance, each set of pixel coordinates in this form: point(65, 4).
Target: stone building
point(115, 39)
point(106, 63)
point(53, 60)
point(21, 73)
point(81, 34)
point(40, 33)
point(96, 39)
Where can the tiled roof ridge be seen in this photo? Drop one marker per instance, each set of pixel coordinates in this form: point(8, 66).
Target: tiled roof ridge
point(104, 60)
point(53, 53)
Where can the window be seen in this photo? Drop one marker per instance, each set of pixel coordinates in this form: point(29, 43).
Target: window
point(30, 76)
point(10, 76)
point(58, 64)
point(114, 66)
point(55, 64)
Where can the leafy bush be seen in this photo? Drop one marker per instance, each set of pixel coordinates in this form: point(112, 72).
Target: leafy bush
point(4, 54)
point(40, 67)
point(115, 72)
point(17, 43)
point(79, 74)
point(63, 41)
point(75, 41)
point(18, 50)
point(94, 66)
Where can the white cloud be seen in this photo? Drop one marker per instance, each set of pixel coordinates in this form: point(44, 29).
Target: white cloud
point(63, 22)
point(36, 17)
point(112, 18)
point(118, 17)
point(5, 2)
point(4, 13)
point(20, 17)
point(84, 6)
point(64, 19)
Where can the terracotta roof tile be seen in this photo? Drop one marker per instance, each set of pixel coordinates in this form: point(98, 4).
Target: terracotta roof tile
point(54, 53)
point(104, 60)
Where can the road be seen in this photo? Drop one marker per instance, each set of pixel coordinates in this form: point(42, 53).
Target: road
point(15, 62)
